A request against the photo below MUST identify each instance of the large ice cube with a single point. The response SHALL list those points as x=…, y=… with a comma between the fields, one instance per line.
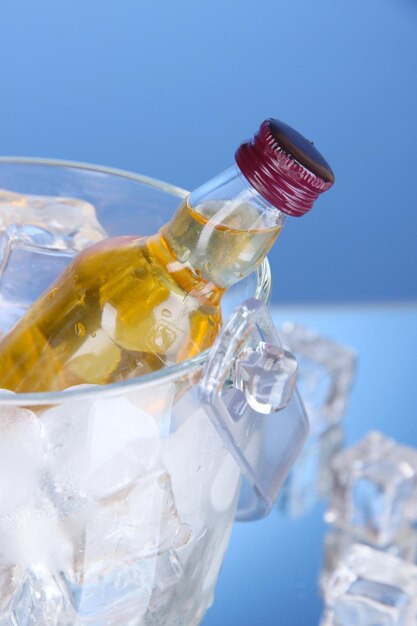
x=326, y=371
x=38, y=237
x=373, y=483
x=97, y=448
x=128, y=550
x=371, y=588
x=136, y=525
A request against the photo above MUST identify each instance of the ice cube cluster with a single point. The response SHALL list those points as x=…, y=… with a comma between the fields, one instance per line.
x=113, y=510
x=42, y=233
x=326, y=370
x=369, y=576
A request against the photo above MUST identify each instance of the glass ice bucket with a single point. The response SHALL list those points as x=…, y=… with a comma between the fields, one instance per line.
x=117, y=502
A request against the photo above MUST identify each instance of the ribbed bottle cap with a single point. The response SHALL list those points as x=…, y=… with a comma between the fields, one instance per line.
x=284, y=167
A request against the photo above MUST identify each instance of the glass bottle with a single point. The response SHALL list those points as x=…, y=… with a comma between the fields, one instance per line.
x=129, y=306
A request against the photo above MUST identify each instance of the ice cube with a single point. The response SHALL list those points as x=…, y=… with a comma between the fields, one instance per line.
x=21, y=456
x=188, y=598
x=326, y=371
x=38, y=237
x=35, y=596
x=267, y=378
x=310, y=478
x=371, y=588
x=126, y=594
x=128, y=550
x=97, y=448
x=337, y=542
x=193, y=456
x=31, y=533
x=373, y=483
x=138, y=524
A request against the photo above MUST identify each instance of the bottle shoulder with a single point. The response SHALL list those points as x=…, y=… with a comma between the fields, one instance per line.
x=108, y=255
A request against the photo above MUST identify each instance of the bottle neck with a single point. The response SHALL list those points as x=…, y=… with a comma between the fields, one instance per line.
x=223, y=229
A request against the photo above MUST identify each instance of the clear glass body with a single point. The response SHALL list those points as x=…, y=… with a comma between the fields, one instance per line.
x=128, y=306
x=116, y=502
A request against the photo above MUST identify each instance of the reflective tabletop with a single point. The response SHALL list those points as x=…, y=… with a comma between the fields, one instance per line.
x=271, y=571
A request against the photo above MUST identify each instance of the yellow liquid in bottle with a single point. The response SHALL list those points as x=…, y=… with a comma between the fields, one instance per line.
x=128, y=306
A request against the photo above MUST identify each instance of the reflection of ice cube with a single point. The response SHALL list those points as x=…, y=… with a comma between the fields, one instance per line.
x=373, y=482
x=38, y=237
x=310, y=478
x=336, y=543
x=372, y=588
x=326, y=372
x=98, y=448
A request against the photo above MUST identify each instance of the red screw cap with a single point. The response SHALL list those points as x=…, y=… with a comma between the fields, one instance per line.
x=284, y=167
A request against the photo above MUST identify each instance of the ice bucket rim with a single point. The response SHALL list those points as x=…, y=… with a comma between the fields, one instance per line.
x=262, y=292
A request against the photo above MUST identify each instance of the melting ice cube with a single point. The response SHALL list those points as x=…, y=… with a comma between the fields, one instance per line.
x=38, y=237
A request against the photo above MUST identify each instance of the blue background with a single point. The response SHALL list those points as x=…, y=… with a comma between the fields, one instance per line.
x=170, y=88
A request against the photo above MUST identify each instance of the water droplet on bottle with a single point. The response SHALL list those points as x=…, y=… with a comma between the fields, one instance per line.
x=161, y=337
x=79, y=329
x=52, y=293
x=166, y=313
